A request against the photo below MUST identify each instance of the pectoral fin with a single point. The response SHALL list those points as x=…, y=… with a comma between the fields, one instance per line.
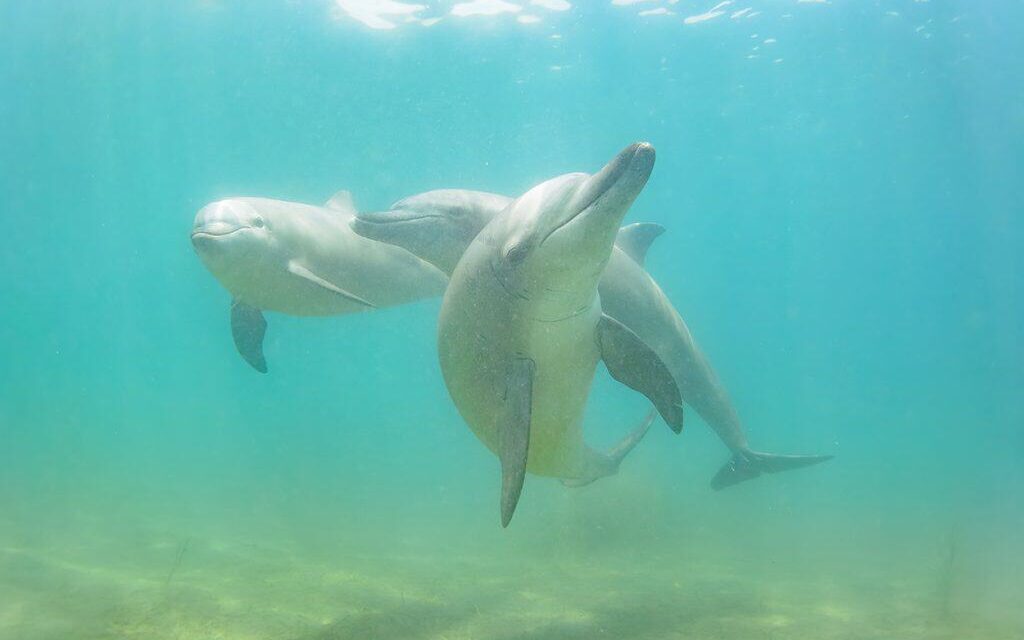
x=248, y=328
x=297, y=269
x=513, y=429
x=636, y=365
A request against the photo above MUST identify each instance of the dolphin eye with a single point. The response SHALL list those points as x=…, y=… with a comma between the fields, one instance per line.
x=258, y=223
x=516, y=253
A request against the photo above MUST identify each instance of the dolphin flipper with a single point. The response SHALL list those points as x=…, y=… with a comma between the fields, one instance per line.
x=636, y=365
x=248, y=326
x=513, y=429
x=610, y=461
x=747, y=465
x=635, y=239
x=297, y=269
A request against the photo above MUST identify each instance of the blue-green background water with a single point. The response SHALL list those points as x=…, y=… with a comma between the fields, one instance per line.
x=845, y=233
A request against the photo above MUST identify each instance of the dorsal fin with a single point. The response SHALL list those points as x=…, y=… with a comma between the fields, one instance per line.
x=636, y=239
x=342, y=201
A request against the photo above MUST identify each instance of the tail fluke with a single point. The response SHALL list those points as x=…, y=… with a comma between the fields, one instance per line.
x=609, y=462
x=747, y=465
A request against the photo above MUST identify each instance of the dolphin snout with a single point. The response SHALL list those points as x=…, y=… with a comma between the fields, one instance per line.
x=218, y=220
x=212, y=234
x=216, y=228
x=396, y=226
x=643, y=157
x=631, y=166
x=618, y=181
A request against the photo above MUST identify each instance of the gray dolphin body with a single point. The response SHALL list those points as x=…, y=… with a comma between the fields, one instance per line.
x=302, y=260
x=521, y=331
x=438, y=226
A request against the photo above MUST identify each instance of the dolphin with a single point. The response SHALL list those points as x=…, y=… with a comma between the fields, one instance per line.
x=302, y=260
x=438, y=226
x=521, y=331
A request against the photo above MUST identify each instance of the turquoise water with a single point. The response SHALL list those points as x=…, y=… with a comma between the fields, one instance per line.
x=841, y=187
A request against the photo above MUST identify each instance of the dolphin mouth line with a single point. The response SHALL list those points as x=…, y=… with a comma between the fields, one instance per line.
x=208, y=234
x=370, y=219
x=573, y=216
x=612, y=180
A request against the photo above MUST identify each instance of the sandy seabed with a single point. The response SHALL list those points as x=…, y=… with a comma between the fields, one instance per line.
x=158, y=586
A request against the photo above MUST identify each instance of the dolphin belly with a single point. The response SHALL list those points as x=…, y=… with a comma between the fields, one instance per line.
x=475, y=349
